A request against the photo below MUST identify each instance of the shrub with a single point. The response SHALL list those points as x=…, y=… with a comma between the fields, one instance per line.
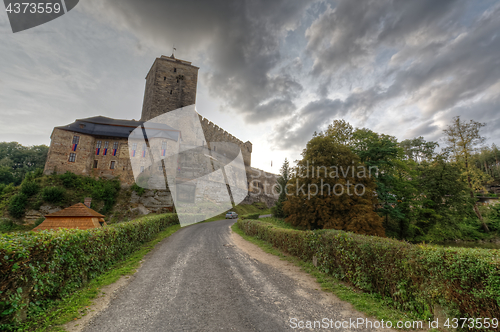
x=53, y=194
x=37, y=267
x=17, y=205
x=39, y=221
x=139, y=190
x=250, y=216
x=70, y=180
x=466, y=282
x=30, y=188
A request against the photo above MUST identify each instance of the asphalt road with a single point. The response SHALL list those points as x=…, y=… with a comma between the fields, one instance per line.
x=198, y=280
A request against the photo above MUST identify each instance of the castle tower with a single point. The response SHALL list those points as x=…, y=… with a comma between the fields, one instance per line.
x=170, y=84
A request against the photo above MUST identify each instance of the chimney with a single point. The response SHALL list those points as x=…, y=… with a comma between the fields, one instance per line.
x=87, y=201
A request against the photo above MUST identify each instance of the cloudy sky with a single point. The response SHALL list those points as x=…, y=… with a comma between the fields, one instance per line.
x=271, y=72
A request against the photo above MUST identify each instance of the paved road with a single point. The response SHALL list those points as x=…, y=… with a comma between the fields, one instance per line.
x=198, y=280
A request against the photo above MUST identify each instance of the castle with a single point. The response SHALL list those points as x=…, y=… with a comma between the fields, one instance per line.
x=98, y=146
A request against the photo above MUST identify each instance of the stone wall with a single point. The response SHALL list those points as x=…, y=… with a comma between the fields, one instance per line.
x=170, y=84
x=213, y=133
x=61, y=147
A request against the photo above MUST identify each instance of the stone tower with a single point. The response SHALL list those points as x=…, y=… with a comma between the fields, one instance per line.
x=170, y=84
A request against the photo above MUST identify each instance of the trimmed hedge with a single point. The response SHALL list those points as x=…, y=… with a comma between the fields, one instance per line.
x=250, y=216
x=37, y=267
x=464, y=281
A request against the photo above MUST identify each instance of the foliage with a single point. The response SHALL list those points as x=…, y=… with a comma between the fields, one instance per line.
x=17, y=205
x=463, y=138
x=138, y=190
x=466, y=282
x=282, y=181
x=338, y=193
x=30, y=188
x=39, y=267
x=17, y=160
x=53, y=194
x=418, y=149
x=250, y=216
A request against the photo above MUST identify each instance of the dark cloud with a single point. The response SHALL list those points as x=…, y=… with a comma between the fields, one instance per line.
x=238, y=40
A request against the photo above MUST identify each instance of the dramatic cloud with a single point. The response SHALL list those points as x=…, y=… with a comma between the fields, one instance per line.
x=238, y=42
x=434, y=56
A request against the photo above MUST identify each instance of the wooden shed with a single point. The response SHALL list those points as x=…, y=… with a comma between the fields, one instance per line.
x=77, y=216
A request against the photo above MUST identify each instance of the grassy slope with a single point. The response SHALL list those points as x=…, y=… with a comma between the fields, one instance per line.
x=242, y=209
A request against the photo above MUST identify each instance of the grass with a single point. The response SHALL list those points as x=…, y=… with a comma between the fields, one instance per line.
x=242, y=209
x=76, y=305
x=371, y=304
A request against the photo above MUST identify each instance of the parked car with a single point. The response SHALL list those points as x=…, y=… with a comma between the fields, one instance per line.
x=231, y=215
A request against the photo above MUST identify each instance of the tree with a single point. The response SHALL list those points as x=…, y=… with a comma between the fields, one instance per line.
x=463, y=138
x=417, y=149
x=331, y=189
x=282, y=180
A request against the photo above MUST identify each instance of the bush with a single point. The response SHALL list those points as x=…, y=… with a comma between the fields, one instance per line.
x=30, y=188
x=42, y=266
x=17, y=205
x=70, y=180
x=466, y=282
x=39, y=221
x=139, y=190
x=250, y=216
x=53, y=194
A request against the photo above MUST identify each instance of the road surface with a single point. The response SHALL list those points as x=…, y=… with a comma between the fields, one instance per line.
x=199, y=280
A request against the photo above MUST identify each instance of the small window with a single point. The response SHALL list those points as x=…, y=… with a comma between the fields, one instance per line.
x=215, y=148
x=164, y=78
x=144, y=146
x=82, y=125
x=76, y=139
x=115, y=146
x=142, y=169
x=106, y=145
x=95, y=163
x=98, y=145
x=164, y=145
x=175, y=70
x=170, y=91
x=112, y=165
x=177, y=80
x=72, y=157
x=134, y=146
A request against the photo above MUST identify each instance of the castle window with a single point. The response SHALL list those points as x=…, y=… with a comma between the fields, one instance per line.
x=142, y=169
x=98, y=148
x=82, y=125
x=215, y=148
x=170, y=91
x=115, y=146
x=95, y=163
x=177, y=80
x=76, y=139
x=175, y=70
x=72, y=157
x=164, y=78
x=112, y=165
x=105, y=152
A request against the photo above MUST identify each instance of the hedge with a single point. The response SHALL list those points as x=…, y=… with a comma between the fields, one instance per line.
x=250, y=216
x=463, y=281
x=37, y=267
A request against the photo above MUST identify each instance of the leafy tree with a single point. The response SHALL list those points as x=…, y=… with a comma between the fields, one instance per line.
x=463, y=138
x=331, y=188
x=21, y=160
x=282, y=180
x=417, y=149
